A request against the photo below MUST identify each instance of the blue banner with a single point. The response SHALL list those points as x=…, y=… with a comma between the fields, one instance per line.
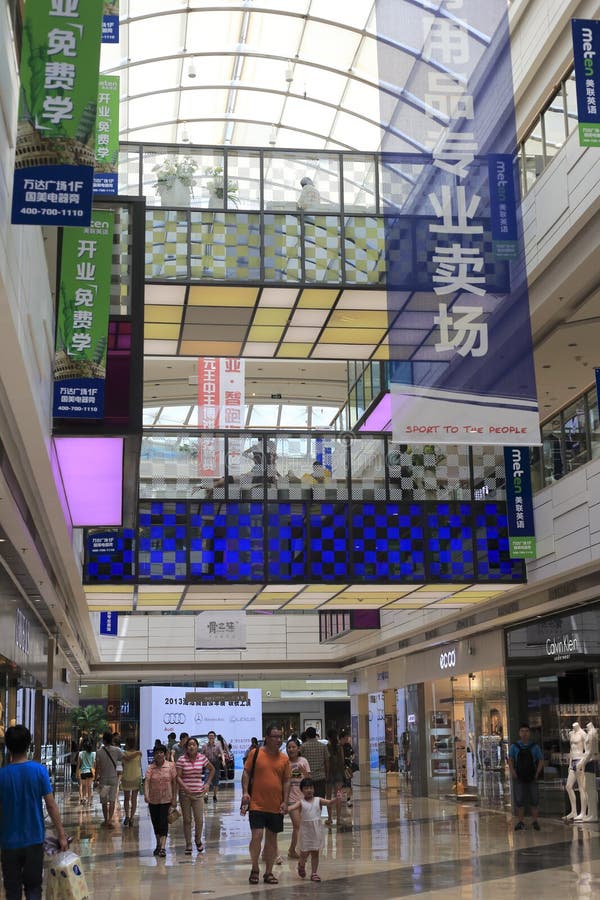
x=503, y=206
x=109, y=623
x=110, y=29
x=52, y=195
x=519, y=503
x=102, y=542
x=586, y=55
x=460, y=338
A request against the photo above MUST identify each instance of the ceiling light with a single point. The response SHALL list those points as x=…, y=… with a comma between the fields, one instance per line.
x=191, y=72
x=273, y=136
x=185, y=135
x=289, y=74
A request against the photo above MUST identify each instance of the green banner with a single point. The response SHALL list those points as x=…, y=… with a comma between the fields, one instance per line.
x=59, y=74
x=107, y=136
x=82, y=326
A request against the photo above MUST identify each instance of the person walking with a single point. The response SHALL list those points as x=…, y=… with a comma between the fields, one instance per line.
x=132, y=779
x=86, y=760
x=312, y=835
x=160, y=793
x=179, y=748
x=265, y=789
x=335, y=774
x=299, y=769
x=318, y=759
x=350, y=766
x=525, y=763
x=107, y=776
x=23, y=785
x=213, y=751
x=190, y=769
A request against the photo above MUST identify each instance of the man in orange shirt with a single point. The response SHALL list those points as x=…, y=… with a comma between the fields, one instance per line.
x=265, y=787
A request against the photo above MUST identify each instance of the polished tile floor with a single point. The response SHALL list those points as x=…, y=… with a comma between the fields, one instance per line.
x=398, y=847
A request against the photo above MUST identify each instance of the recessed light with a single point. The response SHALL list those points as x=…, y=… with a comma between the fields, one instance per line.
x=571, y=345
x=546, y=367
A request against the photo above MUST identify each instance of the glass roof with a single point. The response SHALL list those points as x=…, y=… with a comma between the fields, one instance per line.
x=299, y=73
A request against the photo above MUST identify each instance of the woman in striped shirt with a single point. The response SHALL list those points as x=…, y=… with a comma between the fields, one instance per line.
x=190, y=769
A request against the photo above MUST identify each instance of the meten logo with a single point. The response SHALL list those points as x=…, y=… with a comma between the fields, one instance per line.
x=588, y=51
x=174, y=718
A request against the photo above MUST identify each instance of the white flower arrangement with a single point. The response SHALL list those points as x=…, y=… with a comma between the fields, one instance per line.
x=216, y=185
x=174, y=169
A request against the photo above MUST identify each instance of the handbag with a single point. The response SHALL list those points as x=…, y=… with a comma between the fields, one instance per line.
x=174, y=814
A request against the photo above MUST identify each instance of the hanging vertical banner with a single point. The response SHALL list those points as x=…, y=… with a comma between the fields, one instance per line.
x=461, y=362
x=597, y=371
x=109, y=623
x=82, y=323
x=110, y=22
x=519, y=503
x=586, y=55
x=106, y=165
x=221, y=399
x=57, y=113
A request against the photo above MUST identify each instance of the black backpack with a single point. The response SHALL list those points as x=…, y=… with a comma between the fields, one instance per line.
x=525, y=765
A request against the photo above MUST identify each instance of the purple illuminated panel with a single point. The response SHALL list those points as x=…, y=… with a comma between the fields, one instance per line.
x=381, y=417
x=91, y=469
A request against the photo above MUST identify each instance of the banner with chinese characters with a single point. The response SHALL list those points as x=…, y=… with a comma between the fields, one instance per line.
x=218, y=630
x=106, y=165
x=82, y=323
x=54, y=157
x=109, y=624
x=221, y=404
x=461, y=362
x=519, y=503
x=110, y=22
x=586, y=55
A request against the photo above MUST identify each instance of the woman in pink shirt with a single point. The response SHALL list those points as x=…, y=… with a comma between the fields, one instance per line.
x=190, y=769
x=160, y=793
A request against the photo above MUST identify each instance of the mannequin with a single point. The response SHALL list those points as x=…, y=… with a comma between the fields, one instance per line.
x=577, y=738
x=587, y=766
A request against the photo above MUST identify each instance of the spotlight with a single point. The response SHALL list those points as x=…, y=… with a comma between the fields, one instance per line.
x=191, y=72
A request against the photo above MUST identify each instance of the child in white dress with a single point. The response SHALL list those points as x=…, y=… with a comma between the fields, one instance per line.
x=311, y=835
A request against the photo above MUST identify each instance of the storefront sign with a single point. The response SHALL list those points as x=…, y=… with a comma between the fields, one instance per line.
x=106, y=165
x=570, y=636
x=586, y=55
x=102, y=542
x=453, y=381
x=519, y=503
x=82, y=324
x=220, y=630
x=448, y=659
x=57, y=113
x=560, y=648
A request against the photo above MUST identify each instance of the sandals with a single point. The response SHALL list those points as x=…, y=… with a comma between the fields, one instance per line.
x=254, y=876
x=200, y=847
x=315, y=877
x=302, y=870
x=162, y=852
x=269, y=878
x=188, y=851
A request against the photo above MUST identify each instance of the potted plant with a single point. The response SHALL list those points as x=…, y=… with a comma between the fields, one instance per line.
x=175, y=180
x=217, y=188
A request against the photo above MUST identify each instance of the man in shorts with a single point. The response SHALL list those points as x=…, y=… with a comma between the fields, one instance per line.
x=525, y=762
x=267, y=773
x=107, y=776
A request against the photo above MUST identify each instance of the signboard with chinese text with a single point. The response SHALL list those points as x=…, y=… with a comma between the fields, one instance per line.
x=586, y=55
x=82, y=324
x=460, y=337
x=221, y=399
x=57, y=113
x=166, y=709
x=220, y=630
x=519, y=503
x=110, y=22
x=106, y=166
x=109, y=624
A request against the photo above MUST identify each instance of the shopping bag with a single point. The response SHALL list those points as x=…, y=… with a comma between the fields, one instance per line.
x=65, y=879
x=174, y=814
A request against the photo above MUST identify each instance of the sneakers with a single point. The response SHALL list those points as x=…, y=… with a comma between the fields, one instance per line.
x=520, y=826
x=536, y=825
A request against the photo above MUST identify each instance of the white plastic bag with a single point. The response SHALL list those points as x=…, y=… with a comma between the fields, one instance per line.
x=65, y=879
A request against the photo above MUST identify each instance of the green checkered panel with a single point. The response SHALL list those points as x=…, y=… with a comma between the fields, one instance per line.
x=364, y=247
x=322, y=248
x=282, y=248
x=166, y=244
x=225, y=246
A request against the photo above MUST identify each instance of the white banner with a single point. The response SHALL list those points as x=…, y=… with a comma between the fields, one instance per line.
x=166, y=709
x=220, y=630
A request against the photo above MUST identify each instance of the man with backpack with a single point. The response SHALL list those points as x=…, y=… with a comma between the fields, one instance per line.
x=525, y=761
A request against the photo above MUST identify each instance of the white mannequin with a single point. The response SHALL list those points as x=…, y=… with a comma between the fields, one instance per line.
x=588, y=761
x=577, y=738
